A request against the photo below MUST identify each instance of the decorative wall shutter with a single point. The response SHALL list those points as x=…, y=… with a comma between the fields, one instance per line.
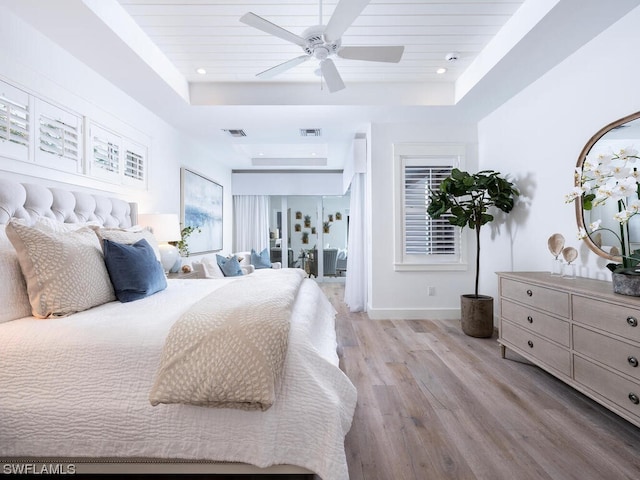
x=15, y=130
x=59, y=143
x=105, y=154
x=135, y=163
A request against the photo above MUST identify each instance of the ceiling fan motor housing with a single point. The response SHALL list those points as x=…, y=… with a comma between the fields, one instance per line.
x=316, y=45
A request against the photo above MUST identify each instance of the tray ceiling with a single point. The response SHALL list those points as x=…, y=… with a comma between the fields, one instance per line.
x=208, y=34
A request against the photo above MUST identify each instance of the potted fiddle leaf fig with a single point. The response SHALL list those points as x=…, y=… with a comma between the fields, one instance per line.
x=467, y=199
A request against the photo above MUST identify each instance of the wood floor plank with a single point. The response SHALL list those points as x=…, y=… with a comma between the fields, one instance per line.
x=436, y=404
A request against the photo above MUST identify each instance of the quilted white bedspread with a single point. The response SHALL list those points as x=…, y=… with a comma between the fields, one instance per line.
x=78, y=387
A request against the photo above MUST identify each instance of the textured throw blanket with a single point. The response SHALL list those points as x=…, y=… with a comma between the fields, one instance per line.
x=228, y=349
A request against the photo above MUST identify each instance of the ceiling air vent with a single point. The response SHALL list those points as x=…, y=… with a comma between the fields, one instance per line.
x=310, y=132
x=236, y=132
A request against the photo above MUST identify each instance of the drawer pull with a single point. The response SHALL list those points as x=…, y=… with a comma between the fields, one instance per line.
x=530, y=293
x=530, y=319
x=634, y=398
x=633, y=361
x=530, y=343
x=632, y=321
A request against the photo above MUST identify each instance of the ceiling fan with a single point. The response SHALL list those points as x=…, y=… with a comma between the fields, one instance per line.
x=322, y=42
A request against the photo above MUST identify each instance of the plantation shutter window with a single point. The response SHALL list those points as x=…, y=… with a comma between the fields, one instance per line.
x=135, y=163
x=106, y=151
x=420, y=242
x=14, y=122
x=59, y=143
x=423, y=235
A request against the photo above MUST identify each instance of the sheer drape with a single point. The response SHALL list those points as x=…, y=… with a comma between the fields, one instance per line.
x=355, y=291
x=250, y=223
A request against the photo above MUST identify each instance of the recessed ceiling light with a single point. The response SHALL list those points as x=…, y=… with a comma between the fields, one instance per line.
x=201, y=71
x=441, y=70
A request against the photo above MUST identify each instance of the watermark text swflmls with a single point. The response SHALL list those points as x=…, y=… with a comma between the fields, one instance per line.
x=38, y=469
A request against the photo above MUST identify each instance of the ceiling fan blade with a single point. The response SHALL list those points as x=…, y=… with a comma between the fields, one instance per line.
x=343, y=16
x=273, y=71
x=391, y=54
x=331, y=75
x=266, y=26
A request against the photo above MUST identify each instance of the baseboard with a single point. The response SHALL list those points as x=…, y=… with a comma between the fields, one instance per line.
x=413, y=313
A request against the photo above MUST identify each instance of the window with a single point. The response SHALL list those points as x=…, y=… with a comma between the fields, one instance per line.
x=14, y=122
x=422, y=235
x=423, y=243
x=135, y=163
x=105, y=154
x=53, y=137
x=59, y=143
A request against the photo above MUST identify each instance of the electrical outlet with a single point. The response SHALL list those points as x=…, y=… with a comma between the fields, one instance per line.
x=431, y=291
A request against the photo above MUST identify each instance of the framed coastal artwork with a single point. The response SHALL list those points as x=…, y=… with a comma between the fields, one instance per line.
x=201, y=200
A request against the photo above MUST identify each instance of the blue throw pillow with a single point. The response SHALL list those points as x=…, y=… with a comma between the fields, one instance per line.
x=230, y=266
x=134, y=270
x=260, y=260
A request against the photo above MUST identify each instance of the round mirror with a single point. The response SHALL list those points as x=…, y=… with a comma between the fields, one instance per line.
x=604, y=241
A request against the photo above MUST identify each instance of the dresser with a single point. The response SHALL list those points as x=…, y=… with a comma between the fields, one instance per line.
x=579, y=331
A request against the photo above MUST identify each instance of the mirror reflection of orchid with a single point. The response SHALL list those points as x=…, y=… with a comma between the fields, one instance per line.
x=612, y=177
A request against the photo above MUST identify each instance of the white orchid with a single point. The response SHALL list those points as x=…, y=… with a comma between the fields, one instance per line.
x=609, y=176
x=593, y=226
x=624, y=188
x=634, y=206
x=620, y=171
x=622, y=216
x=628, y=153
x=573, y=194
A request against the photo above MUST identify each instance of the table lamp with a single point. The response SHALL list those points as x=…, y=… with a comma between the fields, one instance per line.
x=165, y=228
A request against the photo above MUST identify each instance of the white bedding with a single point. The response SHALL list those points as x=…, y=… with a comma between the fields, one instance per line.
x=79, y=387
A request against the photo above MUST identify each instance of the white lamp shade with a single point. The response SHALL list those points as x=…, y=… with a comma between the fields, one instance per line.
x=164, y=226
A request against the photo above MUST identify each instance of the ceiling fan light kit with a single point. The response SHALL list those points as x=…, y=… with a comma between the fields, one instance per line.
x=322, y=42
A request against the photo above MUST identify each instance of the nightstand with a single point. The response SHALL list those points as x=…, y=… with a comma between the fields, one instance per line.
x=182, y=275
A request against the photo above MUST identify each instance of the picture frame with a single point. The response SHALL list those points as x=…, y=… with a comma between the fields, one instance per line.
x=201, y=205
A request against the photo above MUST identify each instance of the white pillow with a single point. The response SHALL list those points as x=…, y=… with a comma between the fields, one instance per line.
x=128, y=236
x=244, y=258
x=211, y=267
x=13, y=293
x=64, y=271
x=45, y=223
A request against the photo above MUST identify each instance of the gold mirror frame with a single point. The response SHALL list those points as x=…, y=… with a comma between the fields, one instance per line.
x=583, y=155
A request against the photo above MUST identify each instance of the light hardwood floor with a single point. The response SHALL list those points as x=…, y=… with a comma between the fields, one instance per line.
x=436, y=404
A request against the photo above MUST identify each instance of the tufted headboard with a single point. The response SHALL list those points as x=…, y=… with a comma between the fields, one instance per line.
x=29, y=201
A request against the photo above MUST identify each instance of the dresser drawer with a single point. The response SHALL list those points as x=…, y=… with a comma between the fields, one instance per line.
x=621, y=356
x=618, y=319
x=616, y=389
x=536, y=321
x=542, y=298
x=532, y=344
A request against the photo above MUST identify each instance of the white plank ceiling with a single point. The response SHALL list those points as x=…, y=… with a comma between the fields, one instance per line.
x=208, y=34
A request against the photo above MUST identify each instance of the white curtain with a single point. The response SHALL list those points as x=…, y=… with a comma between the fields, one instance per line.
x=250, y=223
x=355, y=291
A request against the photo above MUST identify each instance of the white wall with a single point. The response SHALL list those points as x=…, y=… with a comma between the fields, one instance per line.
x=395, y=294
x=31, y=62
x=537, y=137
x=287, y=183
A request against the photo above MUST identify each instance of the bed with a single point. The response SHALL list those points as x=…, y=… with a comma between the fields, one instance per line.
x=76, y=388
